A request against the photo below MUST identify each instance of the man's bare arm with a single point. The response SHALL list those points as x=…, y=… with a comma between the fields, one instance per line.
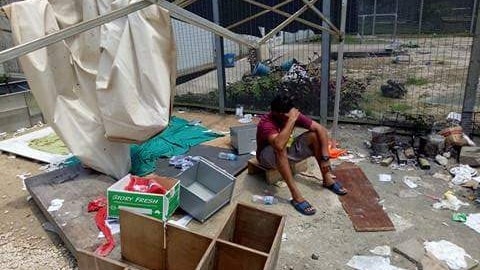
x=279, y=141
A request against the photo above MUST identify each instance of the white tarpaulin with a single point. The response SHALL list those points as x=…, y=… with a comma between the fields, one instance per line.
x=112, y=82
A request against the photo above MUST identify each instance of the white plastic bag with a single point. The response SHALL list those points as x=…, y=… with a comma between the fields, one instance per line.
x=448, y=252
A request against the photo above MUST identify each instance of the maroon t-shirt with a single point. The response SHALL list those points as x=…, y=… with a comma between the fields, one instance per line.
x=268, y=126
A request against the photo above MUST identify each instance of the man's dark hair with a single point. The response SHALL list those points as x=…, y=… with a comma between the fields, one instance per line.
x=282, y=104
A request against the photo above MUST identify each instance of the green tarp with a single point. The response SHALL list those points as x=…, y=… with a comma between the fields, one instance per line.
x=174, y=140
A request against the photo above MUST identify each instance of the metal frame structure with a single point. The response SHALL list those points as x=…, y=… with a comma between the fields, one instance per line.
x=177, y=11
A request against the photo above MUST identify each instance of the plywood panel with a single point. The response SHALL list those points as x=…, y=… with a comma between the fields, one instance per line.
x=361, y=202
x=142, y=240
x=254, y=228
x=185, y=249
x=233, y=257
x=89, y=261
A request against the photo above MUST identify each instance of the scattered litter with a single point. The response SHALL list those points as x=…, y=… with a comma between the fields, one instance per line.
x=384, y=177
x=253, y=153
x=11, y=156
x=444, y=223
x=55, y=205
x=315, y=257
x=454, y=117
x=447, y=154
x=29, y=198
x=386, y=162
x=400, y=223
x=280, y=184
x=247, y=118
x=346, y=157
x=473, y=184
x=473, y=221
x=21, y=130
x=357, y=114
x=194, y=122
x=459, y=217
x=22, y=177
x=450, y=202
x=284, y=237
x=442, y=176
x=5, y=212
x=180, y=111
x=411, y=181
x=449, y=253
x=3, y=134
x=384, y=251
x=462, y=173
x=113, y=224
x=47, y=226
x=49, y=167
x=182, y=222
x=407, y=193
x=371, y=263
x=183, y=162
x=443, y=161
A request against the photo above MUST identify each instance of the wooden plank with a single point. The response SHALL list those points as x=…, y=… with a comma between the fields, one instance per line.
x=208, y=260
x=185, y=249
x=253, y=228
x=361, y=203
x=234, y=257
x=142, y=240
x=275, y=250
x=77, y=186
x=90, y=261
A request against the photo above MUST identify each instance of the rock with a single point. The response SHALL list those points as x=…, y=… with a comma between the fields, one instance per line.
x=393, y=89
x=315, y=256
x=470, y=155
x=413, y=250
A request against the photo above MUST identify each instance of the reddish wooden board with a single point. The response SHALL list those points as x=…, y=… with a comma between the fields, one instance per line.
x=361, y=202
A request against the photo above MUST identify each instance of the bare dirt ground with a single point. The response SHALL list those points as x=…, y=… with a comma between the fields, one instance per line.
x=24, y=244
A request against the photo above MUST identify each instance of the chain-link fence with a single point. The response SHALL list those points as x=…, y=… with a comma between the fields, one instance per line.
x=404, y=60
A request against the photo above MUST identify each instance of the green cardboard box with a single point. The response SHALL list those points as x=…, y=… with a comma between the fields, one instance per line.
x=155, y=205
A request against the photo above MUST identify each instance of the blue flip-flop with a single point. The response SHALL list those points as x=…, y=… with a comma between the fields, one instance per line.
x=302, y=207
x=336, y=188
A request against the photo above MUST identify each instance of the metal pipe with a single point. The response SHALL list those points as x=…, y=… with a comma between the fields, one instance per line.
x=374, y=16
x=472, y=23
x=258, y=14
x=420, y=17
x=322, y=17
x=285, y=23
x=471, y=85
x=288, y=15
x=338, y=84
x=325, y=68
x=219, y=52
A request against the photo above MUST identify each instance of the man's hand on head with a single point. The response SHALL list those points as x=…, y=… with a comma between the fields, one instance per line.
x=293, y=114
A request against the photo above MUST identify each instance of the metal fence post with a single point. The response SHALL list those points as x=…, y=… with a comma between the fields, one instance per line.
x=325, y=68
x=420, y=17
x=219, y=52
x=472, y=23
x=471, y=85
x=374, y=16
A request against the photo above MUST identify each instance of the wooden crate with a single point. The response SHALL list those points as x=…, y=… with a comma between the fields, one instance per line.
x=249, y=240
x=254, y=230
x=272, y=175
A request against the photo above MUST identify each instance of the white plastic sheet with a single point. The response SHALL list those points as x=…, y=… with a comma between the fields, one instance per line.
x=448, y=252
x=113, y=82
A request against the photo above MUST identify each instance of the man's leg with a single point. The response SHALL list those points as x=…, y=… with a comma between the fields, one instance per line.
x=283, y=166
x=318, y=143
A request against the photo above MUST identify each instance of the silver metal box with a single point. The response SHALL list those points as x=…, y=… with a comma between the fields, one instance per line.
x=244, y=138
x=204, y=189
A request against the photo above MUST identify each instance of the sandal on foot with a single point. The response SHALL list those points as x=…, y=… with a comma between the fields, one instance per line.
x=303, y=206
x=337, y=189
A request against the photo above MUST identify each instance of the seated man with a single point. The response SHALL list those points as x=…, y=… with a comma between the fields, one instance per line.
x=276, y=147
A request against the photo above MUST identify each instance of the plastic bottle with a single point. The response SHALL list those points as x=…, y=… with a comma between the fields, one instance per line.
x=264, y=199
x=227, y=156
